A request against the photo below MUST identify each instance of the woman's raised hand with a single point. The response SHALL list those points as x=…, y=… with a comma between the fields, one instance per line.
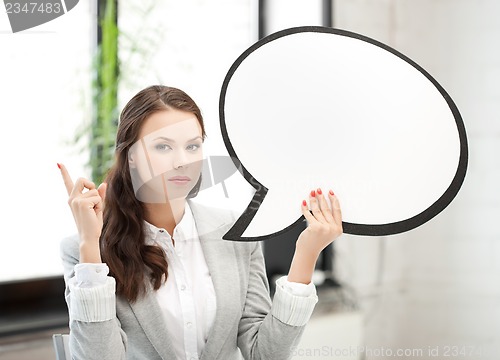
x=86, y=203
x=324, y=224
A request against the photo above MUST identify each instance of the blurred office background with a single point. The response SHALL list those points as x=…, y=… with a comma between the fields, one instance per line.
x=432, y=292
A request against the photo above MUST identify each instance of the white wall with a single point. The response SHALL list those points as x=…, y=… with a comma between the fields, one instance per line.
x=438, y=285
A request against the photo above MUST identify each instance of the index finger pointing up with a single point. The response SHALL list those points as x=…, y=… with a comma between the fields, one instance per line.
x=68, y=183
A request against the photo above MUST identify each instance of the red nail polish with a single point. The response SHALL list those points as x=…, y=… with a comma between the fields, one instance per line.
x=304, y=203
x=319, y=191
x=331, y=192
x=313, y=193
x=59, y=165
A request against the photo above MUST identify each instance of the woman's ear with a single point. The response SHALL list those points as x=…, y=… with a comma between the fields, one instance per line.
x=131, y=161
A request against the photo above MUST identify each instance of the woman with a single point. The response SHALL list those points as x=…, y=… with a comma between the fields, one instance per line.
x=149, y=276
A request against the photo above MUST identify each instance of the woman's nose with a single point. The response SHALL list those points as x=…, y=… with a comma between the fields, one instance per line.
x=180, y=160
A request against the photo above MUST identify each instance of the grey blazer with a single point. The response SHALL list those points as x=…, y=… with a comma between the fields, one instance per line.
x=244, y=324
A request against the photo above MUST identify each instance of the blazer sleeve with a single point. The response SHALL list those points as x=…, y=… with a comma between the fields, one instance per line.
x=271, y=330
x=95, y=331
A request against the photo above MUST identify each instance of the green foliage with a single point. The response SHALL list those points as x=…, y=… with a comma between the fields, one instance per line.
x=105, y=95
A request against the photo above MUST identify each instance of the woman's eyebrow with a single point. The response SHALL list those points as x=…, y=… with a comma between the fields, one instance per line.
x=172, y=140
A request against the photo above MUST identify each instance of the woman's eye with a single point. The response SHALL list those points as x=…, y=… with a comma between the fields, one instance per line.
x=162, y=147
x=193, y=147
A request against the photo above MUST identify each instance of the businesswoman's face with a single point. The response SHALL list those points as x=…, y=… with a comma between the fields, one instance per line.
x=165, y=163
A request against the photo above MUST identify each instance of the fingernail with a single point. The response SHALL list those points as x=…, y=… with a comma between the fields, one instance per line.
x=59, y=166
x=304, y=203
x=319, y=191
x=313, y=193
x=331, y=192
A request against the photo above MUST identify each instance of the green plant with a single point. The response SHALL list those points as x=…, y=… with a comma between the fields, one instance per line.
x=105, y=90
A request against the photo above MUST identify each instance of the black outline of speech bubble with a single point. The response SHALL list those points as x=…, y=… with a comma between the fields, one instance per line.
x=355, y=229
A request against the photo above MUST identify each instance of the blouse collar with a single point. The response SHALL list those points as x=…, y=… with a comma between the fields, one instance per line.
x=183, y=231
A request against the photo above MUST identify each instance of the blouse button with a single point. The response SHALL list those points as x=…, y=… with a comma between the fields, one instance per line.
x=183, y=287
x=189, y=324
x=161, y=230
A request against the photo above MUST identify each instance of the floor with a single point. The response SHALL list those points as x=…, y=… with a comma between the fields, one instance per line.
x=37, y=346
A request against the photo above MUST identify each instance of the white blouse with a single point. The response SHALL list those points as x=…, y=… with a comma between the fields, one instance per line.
x=187, y=298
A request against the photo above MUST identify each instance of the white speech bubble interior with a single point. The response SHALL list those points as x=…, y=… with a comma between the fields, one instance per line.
x=312, y=109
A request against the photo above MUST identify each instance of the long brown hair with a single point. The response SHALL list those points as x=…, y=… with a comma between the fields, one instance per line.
x=122, y=240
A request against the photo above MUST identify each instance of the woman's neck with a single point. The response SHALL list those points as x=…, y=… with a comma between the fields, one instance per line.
x=165, y=215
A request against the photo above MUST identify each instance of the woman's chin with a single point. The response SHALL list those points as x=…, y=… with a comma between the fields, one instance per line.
x=160, y=197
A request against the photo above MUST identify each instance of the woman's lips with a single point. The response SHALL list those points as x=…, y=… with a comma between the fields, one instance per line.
x=180, y=180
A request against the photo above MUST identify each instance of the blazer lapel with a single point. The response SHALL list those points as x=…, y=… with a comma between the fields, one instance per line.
x=148, y=313
x=221, y=261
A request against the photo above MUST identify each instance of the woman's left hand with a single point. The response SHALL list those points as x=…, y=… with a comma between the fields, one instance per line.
x=324, y=224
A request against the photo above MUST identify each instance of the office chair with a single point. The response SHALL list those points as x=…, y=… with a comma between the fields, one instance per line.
x=61, y=346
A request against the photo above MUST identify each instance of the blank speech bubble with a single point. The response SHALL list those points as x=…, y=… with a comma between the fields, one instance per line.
x=313, y=107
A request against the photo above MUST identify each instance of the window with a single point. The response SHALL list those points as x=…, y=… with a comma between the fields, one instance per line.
x=45, y=92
